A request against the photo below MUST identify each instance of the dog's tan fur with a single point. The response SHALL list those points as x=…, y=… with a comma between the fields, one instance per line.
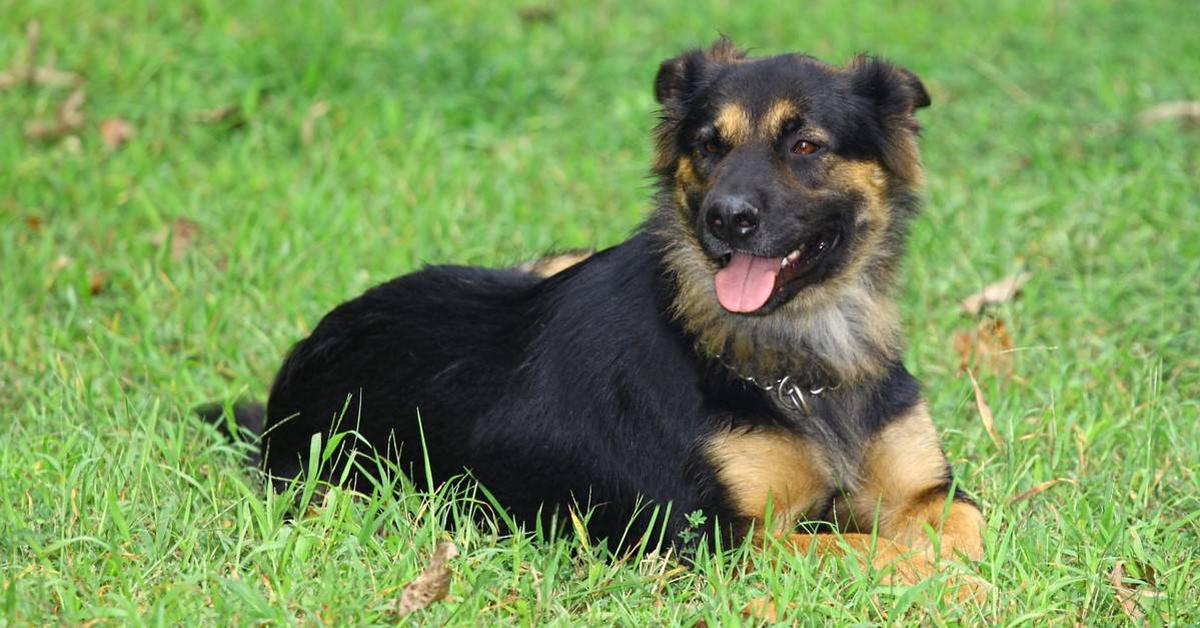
x=771, y=470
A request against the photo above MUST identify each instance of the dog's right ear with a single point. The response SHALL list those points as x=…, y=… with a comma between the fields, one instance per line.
x=679, y=78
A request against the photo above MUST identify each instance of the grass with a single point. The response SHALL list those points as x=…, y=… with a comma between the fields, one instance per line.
x=179, y=267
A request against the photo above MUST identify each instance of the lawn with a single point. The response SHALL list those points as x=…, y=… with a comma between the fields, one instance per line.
x=240, y=168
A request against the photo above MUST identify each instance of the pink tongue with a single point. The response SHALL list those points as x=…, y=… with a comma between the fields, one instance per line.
x=746, y=282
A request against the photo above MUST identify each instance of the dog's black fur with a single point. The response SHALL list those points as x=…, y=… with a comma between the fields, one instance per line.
x=600, y=386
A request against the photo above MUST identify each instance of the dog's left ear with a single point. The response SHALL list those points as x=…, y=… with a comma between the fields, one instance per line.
x=894, y=93
x=894, y=90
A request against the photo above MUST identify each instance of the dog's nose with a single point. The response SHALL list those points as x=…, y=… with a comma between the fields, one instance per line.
x=732, y=219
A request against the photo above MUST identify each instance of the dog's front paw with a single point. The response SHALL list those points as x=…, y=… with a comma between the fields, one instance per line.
x=917, y=566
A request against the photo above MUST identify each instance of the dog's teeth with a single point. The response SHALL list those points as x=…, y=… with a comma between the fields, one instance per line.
x=791, y=257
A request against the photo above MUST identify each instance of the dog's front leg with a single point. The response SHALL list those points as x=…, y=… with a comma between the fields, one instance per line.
x=905, y=491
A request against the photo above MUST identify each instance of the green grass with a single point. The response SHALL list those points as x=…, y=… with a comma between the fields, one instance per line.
x=461, y=131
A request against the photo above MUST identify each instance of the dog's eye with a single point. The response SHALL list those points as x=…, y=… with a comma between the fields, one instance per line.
x=805, y=147
x=710, y=147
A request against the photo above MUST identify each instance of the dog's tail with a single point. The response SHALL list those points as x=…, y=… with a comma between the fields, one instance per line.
x=243, y=424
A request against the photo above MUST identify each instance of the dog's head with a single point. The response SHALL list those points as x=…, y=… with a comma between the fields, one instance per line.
x=785, y=181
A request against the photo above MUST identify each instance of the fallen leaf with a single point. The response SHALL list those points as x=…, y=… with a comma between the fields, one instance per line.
x=67, y=119
x=1187, y=110
x=230, y=115
x=70, y=114
x=307, y=126
x=985, y=413
x=431, y=585
x=1040, y=488
x=266, y=582
x=42, y=130
x=97, y=281
x=182, y=234
x=28, y=72
x=761, y=609
x=999, y=292
x=115, y=132
x=1126, y=596
x=54, y=77
x=61, y=262
x=1150, y=576
x=986, y=347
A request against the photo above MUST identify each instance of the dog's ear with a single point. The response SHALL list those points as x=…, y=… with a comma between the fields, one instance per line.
x=894, y=93
x=680, y=77
x=894, y=90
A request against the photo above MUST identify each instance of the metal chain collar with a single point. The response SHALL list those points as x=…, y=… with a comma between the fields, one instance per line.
x=786, y=391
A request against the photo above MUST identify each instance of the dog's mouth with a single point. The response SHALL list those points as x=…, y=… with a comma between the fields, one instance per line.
x=746, y=282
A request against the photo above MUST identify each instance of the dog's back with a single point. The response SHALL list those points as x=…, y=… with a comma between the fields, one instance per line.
x=545, y=390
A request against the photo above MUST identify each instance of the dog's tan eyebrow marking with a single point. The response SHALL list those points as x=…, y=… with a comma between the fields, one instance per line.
x=733, y=123
x=778, y=114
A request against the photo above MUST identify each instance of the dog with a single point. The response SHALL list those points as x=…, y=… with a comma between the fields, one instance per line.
x=739, y=356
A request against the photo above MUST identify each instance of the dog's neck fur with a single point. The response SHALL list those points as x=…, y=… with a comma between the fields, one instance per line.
x=844, y=331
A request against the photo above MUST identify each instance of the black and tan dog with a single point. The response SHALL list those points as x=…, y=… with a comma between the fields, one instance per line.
x=740, y=355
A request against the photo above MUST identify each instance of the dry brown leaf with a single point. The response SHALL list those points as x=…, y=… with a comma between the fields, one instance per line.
x=97, y=281
x=998, y=292
x=217, y=114
x=307, y=126
x=70, y=114
x=1040, y=488
x=431, y=585
x=115, y=132
x=1187, y=110
x=28, y=72
x=761, y=609
x=67, y=119
x=985, y=413
x=1126, y=596
x=183, y=235
x=231, y=114
x=61, y=262
x=54, y=77
x=51, y=77
x=987, y=347
x=181, y=232
x=42, y=130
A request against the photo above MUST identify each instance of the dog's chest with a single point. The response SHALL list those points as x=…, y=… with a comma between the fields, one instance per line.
x=778, y=475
